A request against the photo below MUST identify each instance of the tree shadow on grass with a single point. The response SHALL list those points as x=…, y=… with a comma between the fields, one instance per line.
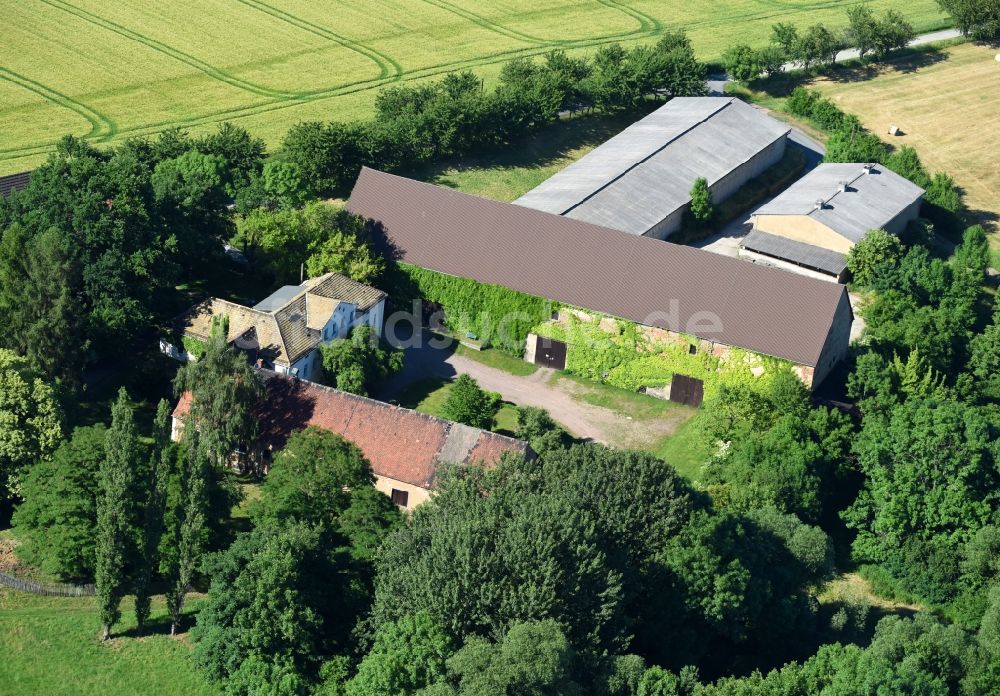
x=541, y=149
x=905, y=62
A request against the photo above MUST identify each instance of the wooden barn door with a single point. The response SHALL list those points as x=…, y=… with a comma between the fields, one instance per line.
x=687, y=390
x=550, y=353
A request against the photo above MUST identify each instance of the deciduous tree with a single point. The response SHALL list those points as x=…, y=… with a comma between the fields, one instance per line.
x=701, y=200
x=30, y=420
x=361, y=362
x=55, y=522
x=469, y=403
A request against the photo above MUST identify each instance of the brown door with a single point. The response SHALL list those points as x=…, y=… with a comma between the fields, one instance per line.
x=550, y=353
x=687, y=390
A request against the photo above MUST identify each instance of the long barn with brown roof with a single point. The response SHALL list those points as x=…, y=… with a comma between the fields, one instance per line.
x=406, y=449
x=721, y=300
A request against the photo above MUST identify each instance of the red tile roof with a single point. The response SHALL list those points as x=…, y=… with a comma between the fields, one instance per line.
x=399, y=443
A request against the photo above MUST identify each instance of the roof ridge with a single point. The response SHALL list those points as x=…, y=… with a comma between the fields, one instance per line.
x=658, y=150
x=863, y=172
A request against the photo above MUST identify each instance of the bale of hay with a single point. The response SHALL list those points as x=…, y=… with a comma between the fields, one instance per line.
x=894, y=130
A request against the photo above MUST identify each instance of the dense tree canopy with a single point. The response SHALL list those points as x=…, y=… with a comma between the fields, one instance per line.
x=56, y=521
x=931, y=473
x=313, y=479
x=361, y=362
x=30, y=420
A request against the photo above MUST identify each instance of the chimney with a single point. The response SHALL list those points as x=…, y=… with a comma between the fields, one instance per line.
x=868, y=168
x=819, y=204
x=842, y=186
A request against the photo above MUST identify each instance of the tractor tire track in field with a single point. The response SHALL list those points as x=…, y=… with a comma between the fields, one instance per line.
x=100, y=125
x=170, y=51
x=646, y=24
x=488, y=24
x=297, y=99
x=389, y=67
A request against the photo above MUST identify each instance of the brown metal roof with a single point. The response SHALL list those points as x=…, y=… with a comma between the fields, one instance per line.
x=14, y=182
x=656, y=283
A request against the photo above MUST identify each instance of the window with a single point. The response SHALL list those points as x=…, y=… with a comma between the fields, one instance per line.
x=400, y=498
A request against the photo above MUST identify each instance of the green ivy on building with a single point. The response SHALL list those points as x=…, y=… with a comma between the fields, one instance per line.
x=496, y=316
x=624, y=357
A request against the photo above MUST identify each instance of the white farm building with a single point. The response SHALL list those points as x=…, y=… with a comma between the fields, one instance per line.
x=640, y=180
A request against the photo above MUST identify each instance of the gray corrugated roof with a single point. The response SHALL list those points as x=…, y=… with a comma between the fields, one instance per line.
x=656, y=283
x=797, y=252
x=871, y=201
x=642, y=175
x=278, y=299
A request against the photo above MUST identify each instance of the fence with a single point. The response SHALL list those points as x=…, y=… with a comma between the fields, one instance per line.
x=46, y=589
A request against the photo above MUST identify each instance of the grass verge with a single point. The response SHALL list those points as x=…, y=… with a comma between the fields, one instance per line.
x=686, y=449
x=498, y=360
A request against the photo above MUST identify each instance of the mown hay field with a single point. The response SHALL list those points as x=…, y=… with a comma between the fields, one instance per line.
x=109, y=70
x=947, y=104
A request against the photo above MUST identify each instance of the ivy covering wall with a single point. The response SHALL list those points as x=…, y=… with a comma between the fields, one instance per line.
x=193, y=346
x=496, y=316
x=617, y=352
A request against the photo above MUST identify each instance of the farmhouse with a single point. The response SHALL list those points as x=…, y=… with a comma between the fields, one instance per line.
x=406, y=449
x=720, y=301
x=640, y=180
x=284, y=331
x=812, y=225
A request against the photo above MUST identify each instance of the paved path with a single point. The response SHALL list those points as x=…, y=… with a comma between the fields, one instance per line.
x=718, y=81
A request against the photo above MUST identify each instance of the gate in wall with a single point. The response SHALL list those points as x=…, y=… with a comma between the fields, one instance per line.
x=687, y=390
x=550, y=353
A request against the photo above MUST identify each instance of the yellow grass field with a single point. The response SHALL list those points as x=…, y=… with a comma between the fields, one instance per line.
x=110, y=69
x=948, y=105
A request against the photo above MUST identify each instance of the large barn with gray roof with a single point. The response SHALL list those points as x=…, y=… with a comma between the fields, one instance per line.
x=640, y=180
x=811, y=226
x=723, y=301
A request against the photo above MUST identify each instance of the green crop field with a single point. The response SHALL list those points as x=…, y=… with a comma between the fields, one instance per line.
x=109, y=70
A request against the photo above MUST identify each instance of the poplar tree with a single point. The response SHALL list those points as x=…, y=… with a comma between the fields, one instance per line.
x=114, y=540
x=223, y=389
x=188, y=536
x=153, y=514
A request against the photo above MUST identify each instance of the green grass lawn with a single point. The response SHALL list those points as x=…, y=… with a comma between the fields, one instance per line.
x=498, y=360
x=630, y=404
x=107, y=71
x=50, y=646
x=428, y=396
x=686, y=449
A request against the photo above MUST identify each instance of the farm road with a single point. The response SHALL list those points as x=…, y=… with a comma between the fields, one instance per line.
x=560, y=398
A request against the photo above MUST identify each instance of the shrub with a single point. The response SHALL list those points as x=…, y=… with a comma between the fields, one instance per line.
x=801, y=101
x=701, y=201
x=875, y=258
x=470, y=404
